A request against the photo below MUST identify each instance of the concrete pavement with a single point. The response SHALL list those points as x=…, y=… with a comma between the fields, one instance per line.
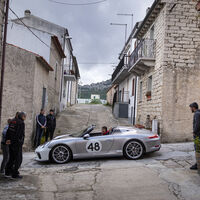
x=163, y=175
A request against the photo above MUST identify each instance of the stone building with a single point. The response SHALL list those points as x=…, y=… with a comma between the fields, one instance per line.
x=166, y=62
x=19, y=35
x=26, y=85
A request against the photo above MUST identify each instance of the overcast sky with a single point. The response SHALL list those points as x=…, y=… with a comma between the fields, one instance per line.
x=93, y=39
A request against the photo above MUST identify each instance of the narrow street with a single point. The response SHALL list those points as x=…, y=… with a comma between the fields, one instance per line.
x=163, y=175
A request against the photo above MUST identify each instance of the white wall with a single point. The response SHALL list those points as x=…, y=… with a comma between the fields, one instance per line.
x=20, y=36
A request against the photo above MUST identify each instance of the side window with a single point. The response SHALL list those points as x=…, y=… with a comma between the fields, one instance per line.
x=141, y=85
x=152, y=33
x=56, y=70
x=133, y=87
x=149, y=84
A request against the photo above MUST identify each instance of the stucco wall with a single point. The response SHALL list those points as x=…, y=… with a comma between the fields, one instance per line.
x=1, y=27
x=54, y=83
x=41, y=77
x=181, y=84
x=18, y=87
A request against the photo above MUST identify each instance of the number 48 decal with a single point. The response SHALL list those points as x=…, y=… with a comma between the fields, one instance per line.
x=93, y=146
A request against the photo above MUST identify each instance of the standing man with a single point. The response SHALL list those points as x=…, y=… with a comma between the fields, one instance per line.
x=51, y=125
x=196, y=125
x=5, y=148
x=15, y=138
x=41, y=125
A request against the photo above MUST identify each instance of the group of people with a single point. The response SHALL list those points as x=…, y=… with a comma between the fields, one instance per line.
x=12, y=141
x=45, y=126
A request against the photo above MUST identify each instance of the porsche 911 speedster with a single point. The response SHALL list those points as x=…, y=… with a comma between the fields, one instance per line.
x=130, y=142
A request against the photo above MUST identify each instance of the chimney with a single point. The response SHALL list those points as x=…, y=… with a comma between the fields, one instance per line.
x=147, y=10
x=27, y=13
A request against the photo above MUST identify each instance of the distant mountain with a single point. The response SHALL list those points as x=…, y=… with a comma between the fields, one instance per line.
x=100, y=88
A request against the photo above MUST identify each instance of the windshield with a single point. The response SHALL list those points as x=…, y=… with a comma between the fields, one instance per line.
x=83, y=132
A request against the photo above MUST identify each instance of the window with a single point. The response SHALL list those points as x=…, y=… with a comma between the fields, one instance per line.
x=44, y=94
x=141, y=85
x=133, y=87
x=149, y=86
x=152, y=33
x=56, y=70
x=123, y=95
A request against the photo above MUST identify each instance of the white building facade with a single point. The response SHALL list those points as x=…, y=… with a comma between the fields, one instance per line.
x=21, y=33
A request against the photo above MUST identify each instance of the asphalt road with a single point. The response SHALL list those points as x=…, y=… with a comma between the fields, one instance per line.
x=163, y=175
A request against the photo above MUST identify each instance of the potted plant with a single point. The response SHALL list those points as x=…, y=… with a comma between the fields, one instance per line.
x=197, y=152
x=148, y=95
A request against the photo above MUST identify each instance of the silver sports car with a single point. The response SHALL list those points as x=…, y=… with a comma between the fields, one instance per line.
x=127, y=141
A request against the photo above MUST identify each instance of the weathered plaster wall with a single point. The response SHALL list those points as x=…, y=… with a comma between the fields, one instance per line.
x=2, y=3
x=18, y=87
x=181, y=83
x=54, y=83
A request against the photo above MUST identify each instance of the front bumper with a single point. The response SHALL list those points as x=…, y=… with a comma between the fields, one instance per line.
x=42, y=153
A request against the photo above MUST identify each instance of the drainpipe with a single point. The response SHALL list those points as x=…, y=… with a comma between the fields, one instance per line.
x=135, y=99
x=3, y=58
x=62, y=77
x=68, y=81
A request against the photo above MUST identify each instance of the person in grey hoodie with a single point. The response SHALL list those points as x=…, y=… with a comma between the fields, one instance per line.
x=5, y=148
x=196, y=125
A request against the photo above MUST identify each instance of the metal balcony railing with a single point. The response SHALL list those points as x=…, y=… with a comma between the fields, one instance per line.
x=118, y=68
x=145, y=49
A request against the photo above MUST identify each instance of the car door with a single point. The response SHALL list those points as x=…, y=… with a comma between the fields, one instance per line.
x=94, y=146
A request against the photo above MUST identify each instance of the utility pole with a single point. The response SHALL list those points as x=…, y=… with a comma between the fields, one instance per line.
x=3, y=58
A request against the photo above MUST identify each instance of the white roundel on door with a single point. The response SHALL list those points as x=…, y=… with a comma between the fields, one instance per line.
x=93, y=146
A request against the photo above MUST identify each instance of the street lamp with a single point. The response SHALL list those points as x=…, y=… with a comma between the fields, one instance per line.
x=118, y=24
x=130, y=15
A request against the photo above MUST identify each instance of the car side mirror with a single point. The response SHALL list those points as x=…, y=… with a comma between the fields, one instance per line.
x=86, y=136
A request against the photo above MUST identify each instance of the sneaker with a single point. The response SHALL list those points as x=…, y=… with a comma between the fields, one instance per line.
x=194, y=167
x=17, y=176
x=7, y=175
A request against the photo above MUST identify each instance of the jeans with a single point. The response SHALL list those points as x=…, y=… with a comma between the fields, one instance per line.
x=5, y=151
x=15, y=160
x=50, y=133
x=39, y=133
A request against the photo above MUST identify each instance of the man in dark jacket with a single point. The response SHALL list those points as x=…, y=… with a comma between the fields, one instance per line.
x=15, y=138
x=51, y=125
x=41, y=122
x=196, y=125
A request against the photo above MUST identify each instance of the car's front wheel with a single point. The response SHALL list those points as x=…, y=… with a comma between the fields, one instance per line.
x=133, y=150
x=60, y=154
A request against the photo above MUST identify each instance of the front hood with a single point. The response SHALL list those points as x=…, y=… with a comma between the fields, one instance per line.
x=62, y=137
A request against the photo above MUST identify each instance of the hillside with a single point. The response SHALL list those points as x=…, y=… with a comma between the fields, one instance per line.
x=100, y=88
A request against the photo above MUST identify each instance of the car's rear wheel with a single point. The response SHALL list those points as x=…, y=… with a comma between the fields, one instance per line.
x=133, y=150
x=61, y=154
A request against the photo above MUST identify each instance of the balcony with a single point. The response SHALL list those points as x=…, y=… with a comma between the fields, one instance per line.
x=69, y=75
x=143, y=57
x=121, y=71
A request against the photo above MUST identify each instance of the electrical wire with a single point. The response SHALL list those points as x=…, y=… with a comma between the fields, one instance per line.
x=78, y=4
x=91, y=63
x=29, y=28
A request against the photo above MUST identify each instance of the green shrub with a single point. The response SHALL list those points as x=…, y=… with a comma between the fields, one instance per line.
x=96, y=101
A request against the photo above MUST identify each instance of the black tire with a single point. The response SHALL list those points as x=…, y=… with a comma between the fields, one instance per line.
x=60, y=154
x=133, y=150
